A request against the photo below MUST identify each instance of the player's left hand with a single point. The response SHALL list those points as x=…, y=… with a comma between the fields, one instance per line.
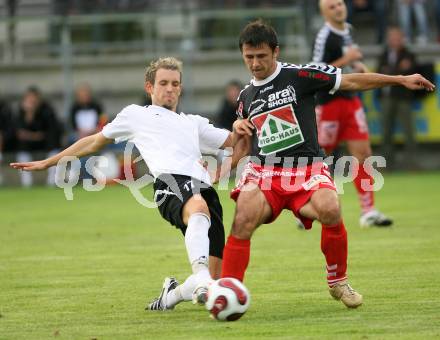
x=417, y=82
x=243, y=127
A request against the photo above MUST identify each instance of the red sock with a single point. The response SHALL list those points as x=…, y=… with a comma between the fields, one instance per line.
x=334, y=247
x=235, y=257
x=365, y=190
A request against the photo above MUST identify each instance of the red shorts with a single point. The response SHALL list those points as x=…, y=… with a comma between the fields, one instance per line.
x=286, y=188
x=341, y=119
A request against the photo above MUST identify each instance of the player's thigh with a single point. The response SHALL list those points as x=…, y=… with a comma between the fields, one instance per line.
x=323, y=206
x=252, y=209
x=196, y=204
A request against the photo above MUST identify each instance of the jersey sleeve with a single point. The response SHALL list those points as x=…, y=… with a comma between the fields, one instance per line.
x=241, y=111
x=119, y=129
x=210, y=137
x=320, y=47
x=324, y=50
x=319, y=77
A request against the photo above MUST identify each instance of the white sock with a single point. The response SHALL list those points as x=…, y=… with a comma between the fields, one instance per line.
x=182, y=292
x=197, y=247
x=174, y=297
x=196, y=238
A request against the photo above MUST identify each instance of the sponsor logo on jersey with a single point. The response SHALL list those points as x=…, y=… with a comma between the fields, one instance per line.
x=285, y=96
x=277, y=130
x=260, y=104
x=240, y=109
x=267, y=88
x=313, y=75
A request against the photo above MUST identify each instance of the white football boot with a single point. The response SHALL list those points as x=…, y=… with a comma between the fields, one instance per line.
x=160, y=303
x=374, y=218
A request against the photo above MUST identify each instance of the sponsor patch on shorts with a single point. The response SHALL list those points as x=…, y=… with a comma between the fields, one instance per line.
x=315, y=180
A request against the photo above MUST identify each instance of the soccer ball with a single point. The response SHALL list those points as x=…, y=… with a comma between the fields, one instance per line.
x=228, y=299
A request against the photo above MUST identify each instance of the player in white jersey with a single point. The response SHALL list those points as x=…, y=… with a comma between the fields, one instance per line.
x=171, y=144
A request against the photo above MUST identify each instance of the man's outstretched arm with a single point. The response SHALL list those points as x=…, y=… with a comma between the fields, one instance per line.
x=83, y=147
x=368, y=81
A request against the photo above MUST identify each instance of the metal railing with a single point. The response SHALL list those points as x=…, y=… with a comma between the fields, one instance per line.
x=24, y=38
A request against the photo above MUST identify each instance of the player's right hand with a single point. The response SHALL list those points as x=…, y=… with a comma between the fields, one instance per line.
x=30, y=166
x=243, y=127
x=417, y=82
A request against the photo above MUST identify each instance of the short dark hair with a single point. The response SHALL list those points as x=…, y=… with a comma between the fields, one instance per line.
x=34, y=90
x=235, y=82
x=257, y=33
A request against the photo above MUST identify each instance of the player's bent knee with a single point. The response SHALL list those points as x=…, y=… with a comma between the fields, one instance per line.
x=330, y=217
x=193, y=206
x=197, y=204
x=200, y=207
x=330, y=214
x=243, y=226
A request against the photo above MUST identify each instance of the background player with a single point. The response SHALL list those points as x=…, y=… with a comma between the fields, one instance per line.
x=341, y=116
x=279, y=104
x=171, y=145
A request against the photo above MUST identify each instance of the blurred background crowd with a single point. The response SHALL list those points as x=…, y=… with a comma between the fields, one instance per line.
x=68, y=67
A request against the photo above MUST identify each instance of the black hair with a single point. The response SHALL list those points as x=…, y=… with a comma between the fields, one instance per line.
x=235, y=82
x=257, y=33
x=34, y=90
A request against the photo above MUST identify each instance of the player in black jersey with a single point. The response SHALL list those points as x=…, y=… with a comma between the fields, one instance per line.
x=277, y=111
x=341, y=116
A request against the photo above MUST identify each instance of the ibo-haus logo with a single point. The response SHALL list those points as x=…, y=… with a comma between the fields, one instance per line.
x=277, y=130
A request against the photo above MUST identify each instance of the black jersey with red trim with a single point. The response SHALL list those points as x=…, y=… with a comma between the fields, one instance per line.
x=282, y=109
x=330, y=44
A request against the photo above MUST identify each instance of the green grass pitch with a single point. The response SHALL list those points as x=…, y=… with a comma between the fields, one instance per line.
x=85, y=269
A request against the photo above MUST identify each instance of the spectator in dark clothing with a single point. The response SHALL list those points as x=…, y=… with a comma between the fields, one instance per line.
x=38, y=130
x=86, y=115
x=227, y=113
x=397, y=101
x=437, y=18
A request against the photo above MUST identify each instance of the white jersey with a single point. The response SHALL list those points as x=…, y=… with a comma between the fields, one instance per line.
x=168, y=142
